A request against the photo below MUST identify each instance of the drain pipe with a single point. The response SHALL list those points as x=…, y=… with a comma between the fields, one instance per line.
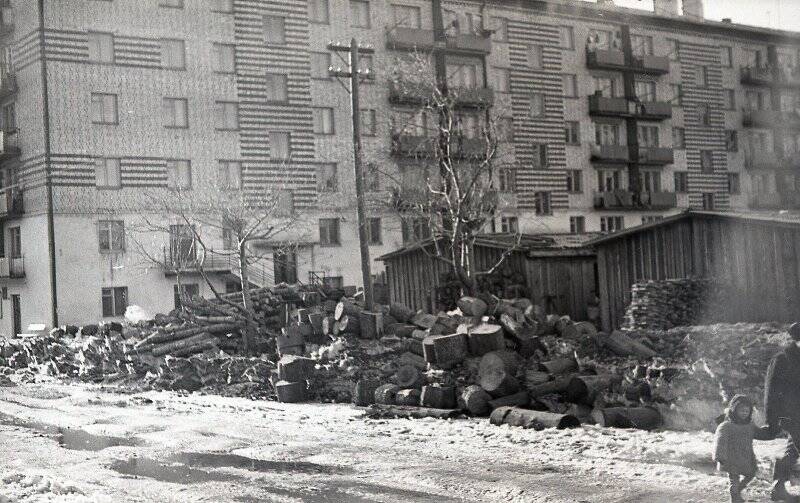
x=51, y=243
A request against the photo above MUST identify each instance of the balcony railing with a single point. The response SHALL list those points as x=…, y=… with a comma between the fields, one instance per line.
x=469, y=43
x=605, y=59
x=215, y=261
x=9, y=145
x=756, y=76
x=656, y=155
x=610, y=153
x=650, y=64
x=12, y=267
x=600, y=105
x=477, y=97
x=655, y=110
x=425, y=146
x=766, y=201
x=410, y=39
x=11, y=203
x=761, y=159
x=630, y=200
x=406, y=93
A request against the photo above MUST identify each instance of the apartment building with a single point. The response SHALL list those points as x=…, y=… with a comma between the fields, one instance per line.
x=612, y=117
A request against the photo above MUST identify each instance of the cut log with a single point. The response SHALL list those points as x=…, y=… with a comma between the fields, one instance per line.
x=535, y=377
x=428, y=349
x=197, y=348
x=412, y=359
x=635, y=391
x=408, y=376
x=561, y=325
x=560, y=366
x=345, y=307
x=642, y=418
x=385, y=394
x=349, y=324
x=508, y=361
x=484, y=339
x=291, y=392
x=519, y=399
x=329, y=306
x=295, y=368
x=438, y=397
x=534, y=419
x=558, y=385
x=424, y=320
x=400, y=312
x=449, y=349
x=364, y=392
x=327, y=325
x=407, y=411
x=585, y=329
x=476, y=400
x=401, y=329
x=371, y=325
x=499, y=383
x=585, y=389
x=408, y=397
x=315, y=319
x=621, y=344
x=472, y=306
x=169, y=347
x=515, y=329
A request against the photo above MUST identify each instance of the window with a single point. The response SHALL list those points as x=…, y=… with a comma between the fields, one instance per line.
x=677, y=94
x=274, y=30
x=101, y=47
x=535, y=57
x=645, y=91
x=179, y=174
x=374, y=232
x=509, y=225
x=566, y=37
x=320, y=62
x=674, y=49
x=572, y=132
x=111, y=235
x=577, y=225
x=464, y=74
x=678, y=138
x=182, y=246
x=642, y=45
x=474, y=24
x=574, y=180
x=327, y=177
x=731, y=141
x=569, y=85
x=543, y=206
x=506, y=180
x=279, y=145
x=177, y=4
x=648, y=136
x=227, y=115
x=505, y=129
x=605, y=86
x=8, y=117
x=104, y=109
x=651, y=219
x=115, y=301
x=224, y=6
x=228, y=241
x=173, y=54
x=707, y=161
x=229, y=175
x=611, y=224
x=537, y=105
x=451, y=22
x=502, y=80
x=681, y=182
x=650, y=181
x=601, y=39
x=726, y=56
x=500, y=29
x=704, y=114
x=701, y=76
x=368, y=122
x=708, y=200
x=323, y=120
x=754, y=100
x=539, y=155
x=372, y=177
x=734, y=185
x=318, y=11
x=729, y=99
x=107, y=173
x=277, y=87
x=359, y=14
x=407, y=15
x=186, y=291
x=609, y=180
x=469, y=125
x=15, y=242
x=329, y=231
x=415, y=229
x=606, y=133
x=175, y=112
x=224, y=58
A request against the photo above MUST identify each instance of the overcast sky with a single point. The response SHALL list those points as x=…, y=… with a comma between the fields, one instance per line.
x=784, y=14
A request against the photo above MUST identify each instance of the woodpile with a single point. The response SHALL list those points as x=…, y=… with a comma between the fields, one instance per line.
x=661, y=305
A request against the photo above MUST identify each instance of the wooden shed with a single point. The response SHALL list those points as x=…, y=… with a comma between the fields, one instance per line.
x=559, y=270
x=753, y=255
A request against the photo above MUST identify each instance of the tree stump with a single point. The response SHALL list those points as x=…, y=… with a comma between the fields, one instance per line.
x=438, y=397
x=295, y=368
x=476, y=400
x=371, y=325
x=364, y=393
x=484, y=339
x=408, y=376
x=291, y=392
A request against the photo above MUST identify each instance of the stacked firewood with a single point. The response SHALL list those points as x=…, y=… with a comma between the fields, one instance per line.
x=661, y=305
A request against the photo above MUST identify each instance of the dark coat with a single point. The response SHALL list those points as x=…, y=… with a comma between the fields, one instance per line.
x=733, y=440
x=782, y=389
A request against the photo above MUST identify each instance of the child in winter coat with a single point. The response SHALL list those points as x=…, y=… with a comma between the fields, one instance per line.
x=733, y=445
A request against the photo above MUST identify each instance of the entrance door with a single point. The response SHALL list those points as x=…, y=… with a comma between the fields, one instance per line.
x=285, y=266
x=16, y=315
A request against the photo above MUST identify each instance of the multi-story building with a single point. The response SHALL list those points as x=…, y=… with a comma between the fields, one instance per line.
x=613, y=117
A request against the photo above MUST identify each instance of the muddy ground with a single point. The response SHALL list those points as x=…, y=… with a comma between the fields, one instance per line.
x=71, y=443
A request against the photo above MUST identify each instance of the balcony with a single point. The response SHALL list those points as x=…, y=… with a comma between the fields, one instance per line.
x=638, y=201
x=608, y=107
x=756, y=76
x=766, y=201
x=9, y=145
x=425, y=146
x=406, y=93
x=12, y=267
x=11, y=203
x=656, y=155
x=402, y=38
x=655, y=110
x=761, y=159
x=651, y=65
x=610, y=153
x=605, y=59
x=8, y=85
x=468, y=43
x=473, y=97
x=215, y=262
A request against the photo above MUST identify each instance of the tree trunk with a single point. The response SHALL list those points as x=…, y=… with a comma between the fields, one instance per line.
x=248, y=336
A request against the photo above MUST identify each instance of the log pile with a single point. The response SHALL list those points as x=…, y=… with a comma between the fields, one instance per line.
x=661, y=305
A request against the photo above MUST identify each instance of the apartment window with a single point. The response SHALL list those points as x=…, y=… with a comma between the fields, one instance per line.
x=678, y=138
x=107, y=173
x=648, y=136
x=500, y=27
x=323, y=120
x=474, y=24
x=506, y=180
x=539, y=155
x=642, y=45
x=731, y=141
x=734, y=185
x=543, y=206
x=754, y=100
x=652, y=219
x=228, y=241
x=451, y=22
x=707, y=161
x=111, y=235
x=569, y=85
x=408, y=16
x=577, y=225
x=574, y=180
x=274, y=30
x=365, y=65
x=179, y=174
x=374, y=235
x=701, y=76
x=227, y=115
x=318, y=11
x=224, y=58
x=8, y=117
x=566, y=37
x=464, y=75
x=681, y=182
x=708, y=201
x=650, y=181
x=279, y=145
x=175, y=112
x=186, y=291
x=729, y=99
x=502, y=80
x=320, y=62
x=535, y=57
x=645, y=91
x=726, y=56
x=329, y=231
x=704, y=114
x=224, y=6
x=115, y=301
x=101, y=47
x=509, y=225
x=229, y=175
x=572, y=132
x=537, y=105
x=602, y=38
x=605, y=86
x=606, y=133
x=327, y=177
x=415, y=229
x=677, y=94
x=612, y=224
x=368, y=122
x=104, y=109
x=359, y=14
x=15, y=242
x=674, y=49
x=609, y=180
x=277, y=87
x=173, y=54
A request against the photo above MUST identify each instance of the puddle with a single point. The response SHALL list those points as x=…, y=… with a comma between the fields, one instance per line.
x=70, y=438
x=216, y=460
x=166, y=472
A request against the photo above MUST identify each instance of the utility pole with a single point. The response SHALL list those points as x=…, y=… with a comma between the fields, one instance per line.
x=353, y=74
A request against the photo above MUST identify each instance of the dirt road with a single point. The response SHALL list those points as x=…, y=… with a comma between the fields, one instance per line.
x=80, y=443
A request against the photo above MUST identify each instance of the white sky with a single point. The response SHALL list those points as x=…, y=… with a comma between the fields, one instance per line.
x=783, y=14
